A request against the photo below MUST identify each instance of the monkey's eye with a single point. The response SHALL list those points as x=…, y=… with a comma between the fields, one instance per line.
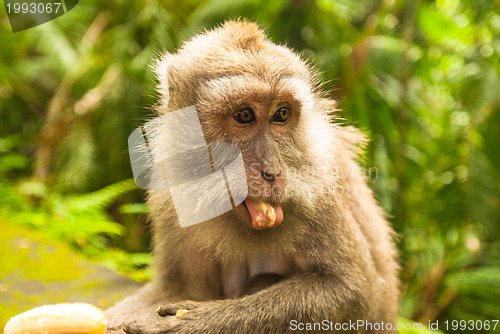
x=281, y=115
x=244, y=116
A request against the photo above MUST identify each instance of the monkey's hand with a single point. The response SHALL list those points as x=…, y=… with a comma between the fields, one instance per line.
x=184, y=317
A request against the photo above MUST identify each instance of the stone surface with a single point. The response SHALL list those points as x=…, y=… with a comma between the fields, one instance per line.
x=36, y=271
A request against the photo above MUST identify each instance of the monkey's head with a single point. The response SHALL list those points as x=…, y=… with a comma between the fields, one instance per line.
x=259, y=96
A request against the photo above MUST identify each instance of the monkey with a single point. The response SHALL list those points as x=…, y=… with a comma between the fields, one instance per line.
x=309, y=244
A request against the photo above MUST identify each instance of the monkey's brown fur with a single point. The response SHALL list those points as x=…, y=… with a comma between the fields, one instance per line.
x=332, y=258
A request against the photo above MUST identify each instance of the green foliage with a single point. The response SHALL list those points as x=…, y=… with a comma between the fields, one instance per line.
x=421, y=78
x=81, y=220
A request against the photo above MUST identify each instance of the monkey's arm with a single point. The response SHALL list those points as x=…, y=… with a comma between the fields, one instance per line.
x=305, y=298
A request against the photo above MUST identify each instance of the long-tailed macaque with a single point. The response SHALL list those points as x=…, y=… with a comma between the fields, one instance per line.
x=309, y=246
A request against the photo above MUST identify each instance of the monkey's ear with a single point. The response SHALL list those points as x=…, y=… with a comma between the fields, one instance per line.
x=328, y=107
x=353, y=139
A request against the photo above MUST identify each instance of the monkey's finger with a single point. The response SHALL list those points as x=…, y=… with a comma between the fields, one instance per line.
x=157, y=327
x=131, y=328
x=134, y=328
x=173, y=309
x=166, y=310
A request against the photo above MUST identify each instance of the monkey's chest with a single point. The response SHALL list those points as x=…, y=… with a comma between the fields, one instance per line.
x=258, y=273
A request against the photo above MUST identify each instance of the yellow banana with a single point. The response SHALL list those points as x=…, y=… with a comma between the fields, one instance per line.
x=58, y=319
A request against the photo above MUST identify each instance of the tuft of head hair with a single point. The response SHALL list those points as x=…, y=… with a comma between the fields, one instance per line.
x=234, y=48
x=239, y=34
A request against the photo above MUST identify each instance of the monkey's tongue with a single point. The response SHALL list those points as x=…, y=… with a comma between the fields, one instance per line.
x=264, y=215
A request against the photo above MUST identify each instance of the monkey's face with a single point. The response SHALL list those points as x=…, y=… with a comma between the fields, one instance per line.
x=263, y=119
x=256, y=95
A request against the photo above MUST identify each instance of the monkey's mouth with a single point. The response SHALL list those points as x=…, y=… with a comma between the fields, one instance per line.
x=264, y=215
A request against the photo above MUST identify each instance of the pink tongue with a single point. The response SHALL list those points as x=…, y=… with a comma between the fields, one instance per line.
x=264, y=215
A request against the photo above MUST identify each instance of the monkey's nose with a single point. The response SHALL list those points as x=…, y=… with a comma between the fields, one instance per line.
x=271, y=174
